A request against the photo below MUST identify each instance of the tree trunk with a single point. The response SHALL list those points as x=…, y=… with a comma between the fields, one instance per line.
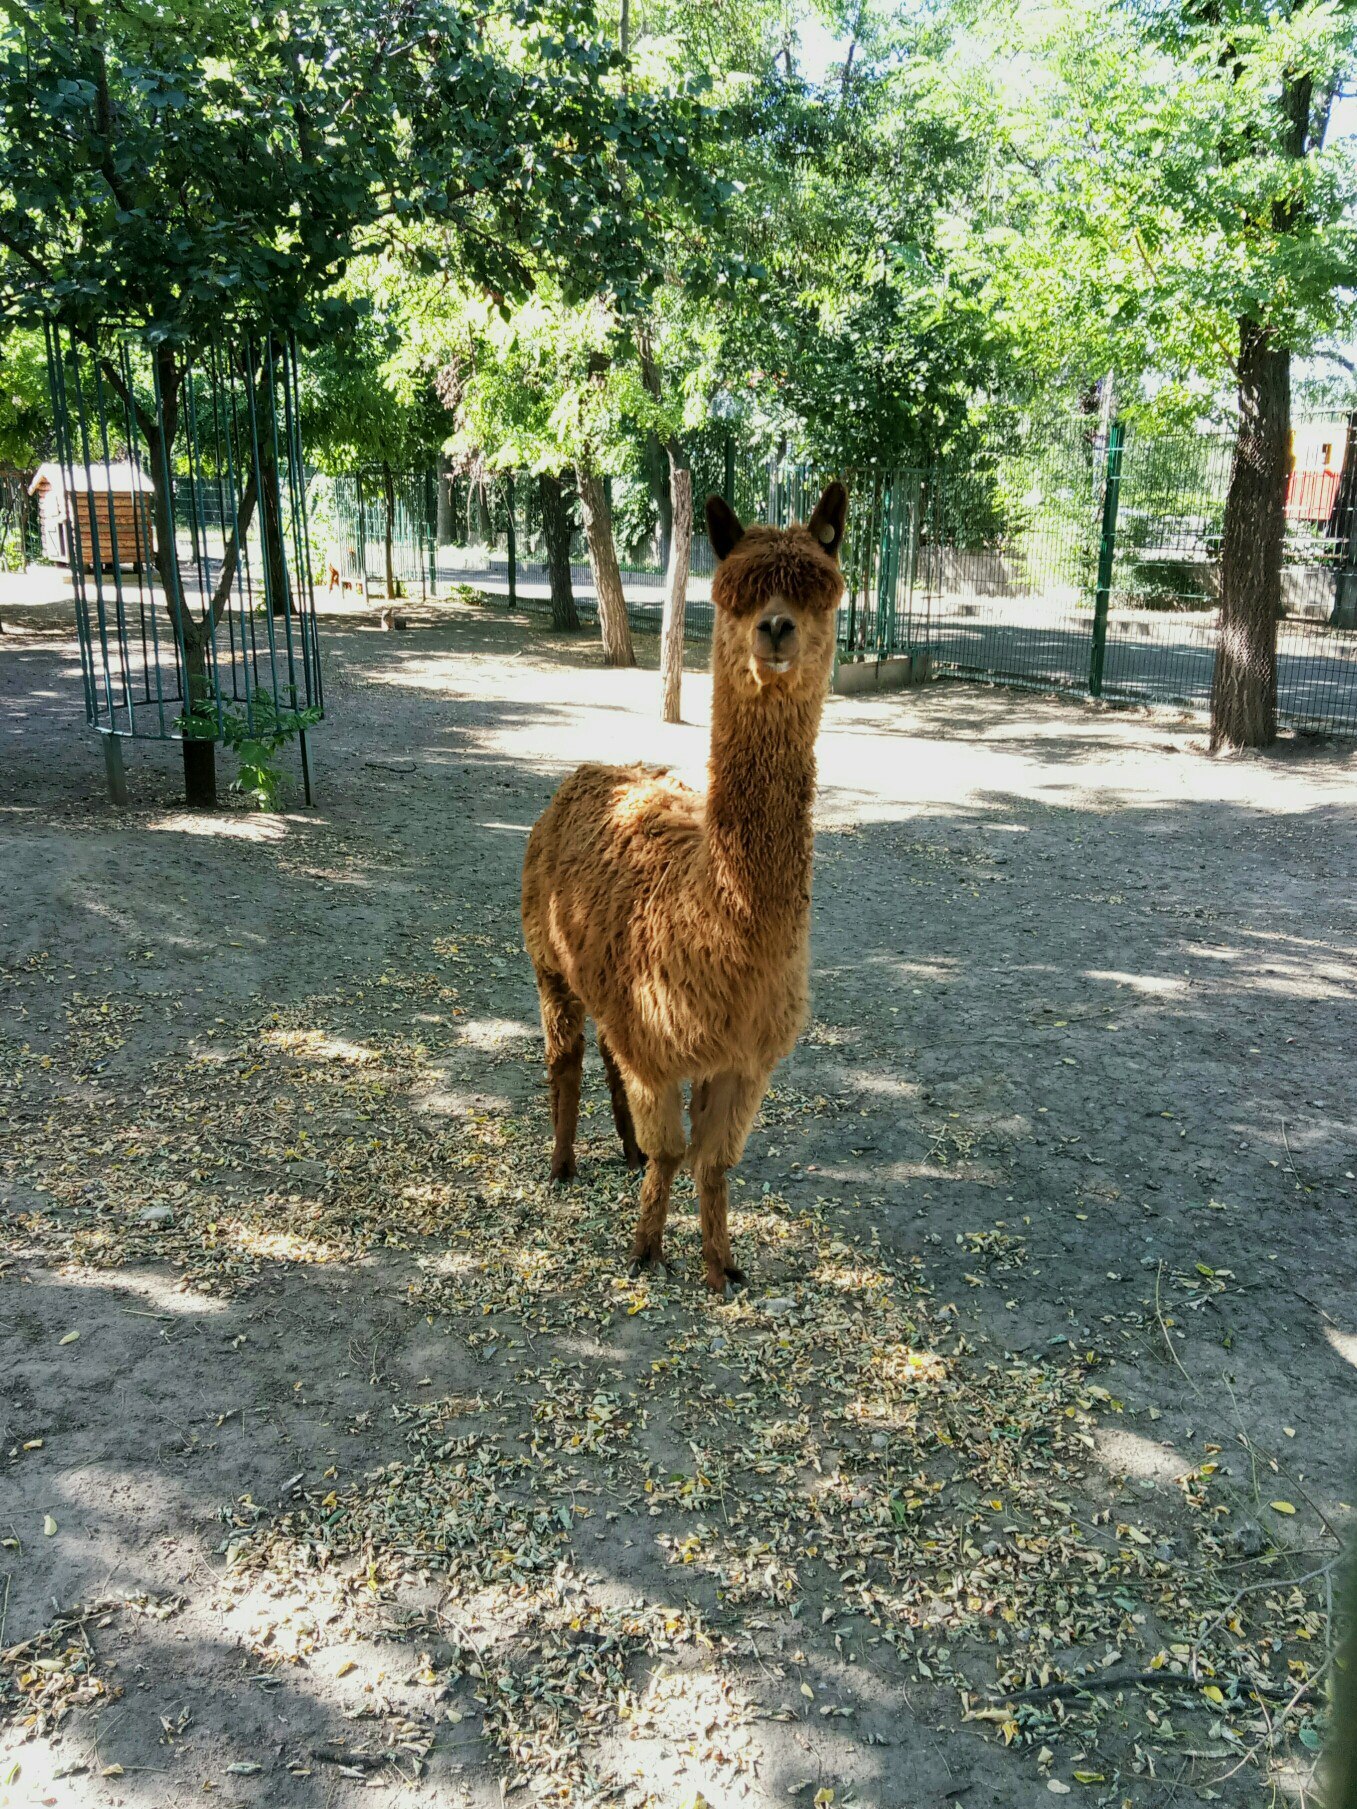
x=485, y=521
x=556, y=533
x=658, y=471
x=200, y=754
x=612, y=604
x=443, y=528
x=200, y=751
x=277, y=577
x=676, y=582
x=393, y=588
x=1244, y=688
x=166, y=556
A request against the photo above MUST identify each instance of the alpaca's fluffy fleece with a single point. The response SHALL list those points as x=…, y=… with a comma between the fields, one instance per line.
x=680, y=922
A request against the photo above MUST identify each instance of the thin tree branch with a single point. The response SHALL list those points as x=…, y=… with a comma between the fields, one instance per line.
x=230, y=558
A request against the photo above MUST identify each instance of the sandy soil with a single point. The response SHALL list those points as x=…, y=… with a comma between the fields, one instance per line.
x=370, y=1468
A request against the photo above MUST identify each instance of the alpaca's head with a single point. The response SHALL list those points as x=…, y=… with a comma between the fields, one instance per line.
x=776, y=591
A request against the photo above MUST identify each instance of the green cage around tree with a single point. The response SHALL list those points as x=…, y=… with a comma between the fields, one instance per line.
x=177, y=498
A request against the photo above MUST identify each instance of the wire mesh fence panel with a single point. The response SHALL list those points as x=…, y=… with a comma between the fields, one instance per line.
x=993, y=566
x=374, y=531
x=1317, y=639
x=177, y=501
x=1005, y=555
x=1163, y=623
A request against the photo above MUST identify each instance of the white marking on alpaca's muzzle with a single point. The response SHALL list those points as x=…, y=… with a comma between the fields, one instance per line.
x=777, y=642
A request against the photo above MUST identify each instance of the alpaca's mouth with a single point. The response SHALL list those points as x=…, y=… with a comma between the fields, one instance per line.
x=765, y=668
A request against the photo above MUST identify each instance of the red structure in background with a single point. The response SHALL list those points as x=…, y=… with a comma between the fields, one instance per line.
x=1317, y=470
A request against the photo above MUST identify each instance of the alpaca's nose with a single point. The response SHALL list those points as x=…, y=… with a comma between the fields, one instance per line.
x=775, y=637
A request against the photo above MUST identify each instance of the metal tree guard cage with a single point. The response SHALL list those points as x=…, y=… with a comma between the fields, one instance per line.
x=178, y=499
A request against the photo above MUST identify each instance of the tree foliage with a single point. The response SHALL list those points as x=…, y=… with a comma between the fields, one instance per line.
x=364, y=400
x=25, y=406
x=1164, y=173
x=172, y=165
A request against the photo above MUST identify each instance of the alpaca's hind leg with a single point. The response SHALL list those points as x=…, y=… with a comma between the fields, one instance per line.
x=658, y=1116
x=724, y=1108
x=563, y=1029
x=632, y=1153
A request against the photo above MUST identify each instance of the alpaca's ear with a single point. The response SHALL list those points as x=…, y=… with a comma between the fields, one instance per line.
x=830, y=518
x=725, y=530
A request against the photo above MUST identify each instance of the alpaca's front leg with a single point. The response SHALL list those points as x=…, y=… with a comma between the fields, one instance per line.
x=658, y=1116
x=724, y=1109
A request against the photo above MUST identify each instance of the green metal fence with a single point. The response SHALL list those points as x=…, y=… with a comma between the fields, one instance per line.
x=1102, y=574
x=1073, y=554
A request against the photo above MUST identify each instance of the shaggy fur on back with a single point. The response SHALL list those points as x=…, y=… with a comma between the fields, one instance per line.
x=680, y=922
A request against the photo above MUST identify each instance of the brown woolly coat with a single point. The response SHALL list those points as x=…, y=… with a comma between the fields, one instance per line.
x=680, y=921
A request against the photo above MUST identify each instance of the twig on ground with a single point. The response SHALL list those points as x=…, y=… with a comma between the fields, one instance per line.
x=1291, y=1160
x=340, y=1755
x=1308, y=1576
x=1164, y=1331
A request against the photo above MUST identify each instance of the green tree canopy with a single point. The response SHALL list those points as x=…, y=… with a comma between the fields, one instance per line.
x=174, y=165
x=25, y=407
x=1174, y=208
x=1160, y=175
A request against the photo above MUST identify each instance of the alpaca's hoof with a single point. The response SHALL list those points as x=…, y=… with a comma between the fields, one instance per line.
x=633, y=1157
x=639, y=1264
x=726, y=1283
x=563, y=1169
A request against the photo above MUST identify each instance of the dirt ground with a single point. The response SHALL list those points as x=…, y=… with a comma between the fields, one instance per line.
x=340, y=1453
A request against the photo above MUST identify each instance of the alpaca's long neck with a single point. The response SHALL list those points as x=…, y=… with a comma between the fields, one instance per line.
x=761, y=789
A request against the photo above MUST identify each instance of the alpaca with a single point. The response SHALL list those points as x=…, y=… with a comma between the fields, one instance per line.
x=681, y=924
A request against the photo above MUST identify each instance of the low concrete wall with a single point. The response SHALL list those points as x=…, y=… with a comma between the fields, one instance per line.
x=894, y=673
x=1307, y=590
x=984, y=574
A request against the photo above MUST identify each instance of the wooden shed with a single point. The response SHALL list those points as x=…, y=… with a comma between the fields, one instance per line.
x=95, y=514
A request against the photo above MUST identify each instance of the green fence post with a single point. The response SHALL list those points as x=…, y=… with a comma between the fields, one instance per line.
x=431, y=527
x=728, y=475
x=1107, y=547
x=916, y=503
x=513, y=547
x=362, y=549
x=888, y=568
